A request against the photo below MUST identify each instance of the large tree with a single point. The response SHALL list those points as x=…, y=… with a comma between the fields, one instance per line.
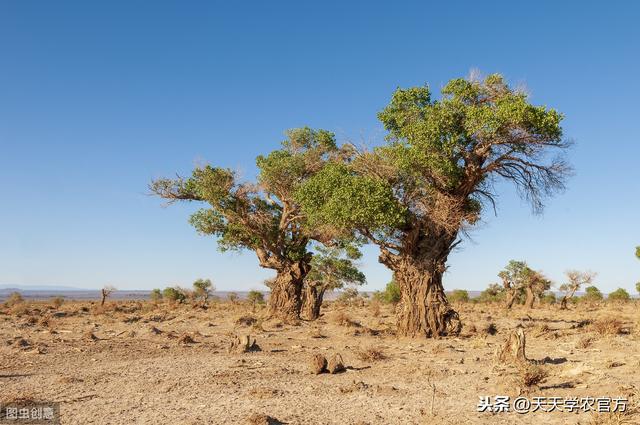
x=331, y=268
x=416, y=195
x=262, y=217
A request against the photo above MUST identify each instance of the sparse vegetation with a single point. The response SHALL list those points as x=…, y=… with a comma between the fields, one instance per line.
x=202, y=289
x=459, y=296
x=105, y=292
x=620, y=295
x=174, y=294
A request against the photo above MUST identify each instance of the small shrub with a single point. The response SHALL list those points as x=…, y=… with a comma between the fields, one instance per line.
x=530, y=374
x=371, y=354
x=390, y=295
x=255, y=297
x=57, y=302
x=232, y=297
x=246, y=320
x=156, y=295
x=14, y=299
x=459, y=295
x=348, y=296
x=619, y=295
x=609, y=326
x=174, y=294
x=584, y=342
x=548, y=298
x=592, y=294
x=493, y=294
x=375, y=308
x=343, y=319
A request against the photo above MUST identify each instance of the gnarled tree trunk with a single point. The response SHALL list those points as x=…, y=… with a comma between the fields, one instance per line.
x=312, y=301
x=510, y=298
x=286, y=290
x=530, y=297
x=423, y=310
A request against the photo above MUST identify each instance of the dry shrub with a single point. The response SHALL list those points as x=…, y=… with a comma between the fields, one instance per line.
x=531, y=374
x=371, y=354
x=246, y=320
x=186, y=339
x=584, y=342
x=343, y=319
x=316, y=332
x=375, y=308
x=57, y=302
x=490, y=329
x=14, y=299
x=608, y=326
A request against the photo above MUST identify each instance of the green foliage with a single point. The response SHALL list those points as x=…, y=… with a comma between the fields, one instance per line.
x=202, y=289
x=638, y=287
x=348, y=296
x=341, y=198
x=255, y=297
x=458, y=295
x=390, y=295
x=619, y=294
x=592, y=294
x=174, y=294
x=638, y=252
x=57, y=301
x=155, y=295
x=331, y=270
x=232, y=297
x=548, y=298
x=439, y=165
x=262, y=217
x=493, y=293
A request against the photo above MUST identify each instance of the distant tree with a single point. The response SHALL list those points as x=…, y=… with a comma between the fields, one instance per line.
x=638, y=287
x=415, y=195
x=390, y=294
x=262, y=217
x=638, y=252
x=255, y=297
x=514, y=277
x=576, y=279
x=202, y=289
x=548, y=298
x=459, y=295
x=619, y=294
x=13, y=299
x=493, y=293
x=105, y=292
x=331, y=268
x=232, y=297
x=155, y=295
x=174, y=294
x=592, y=294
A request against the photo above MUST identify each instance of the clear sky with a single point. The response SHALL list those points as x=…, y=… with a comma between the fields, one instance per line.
x=98, y=98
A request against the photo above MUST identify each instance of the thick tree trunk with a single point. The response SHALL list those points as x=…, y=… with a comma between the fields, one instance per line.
x=563, y=303
x=423, y=310
x=312, y=301
x=530, y=298
x=510, y=298
x=286, y=290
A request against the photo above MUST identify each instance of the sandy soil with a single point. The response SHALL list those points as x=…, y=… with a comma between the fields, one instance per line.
x=140, y=363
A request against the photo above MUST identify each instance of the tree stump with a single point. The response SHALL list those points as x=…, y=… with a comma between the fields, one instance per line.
x=318, y=364
x=245, y=345
x=336, y=364
x=514, y=348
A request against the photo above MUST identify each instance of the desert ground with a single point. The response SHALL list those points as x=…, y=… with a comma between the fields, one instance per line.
x=141, y=362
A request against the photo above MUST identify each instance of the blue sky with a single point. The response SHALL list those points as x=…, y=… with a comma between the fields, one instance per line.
x=98, y=98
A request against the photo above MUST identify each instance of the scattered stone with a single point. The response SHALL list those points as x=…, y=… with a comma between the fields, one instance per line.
x=335, y=364
x=318, y=364
x=245, y=345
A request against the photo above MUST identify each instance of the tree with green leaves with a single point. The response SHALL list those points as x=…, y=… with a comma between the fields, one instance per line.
x=417, y=194
x=619, y=294
x=576, y=279
x=592, y=294
x=262, y=217
x=331, y=268
x=514, y=280
x=202, y=289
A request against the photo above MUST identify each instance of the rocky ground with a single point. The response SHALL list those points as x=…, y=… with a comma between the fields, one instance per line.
x=136, y=362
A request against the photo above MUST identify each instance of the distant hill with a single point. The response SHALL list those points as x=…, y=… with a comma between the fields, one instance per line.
x=13, y=287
